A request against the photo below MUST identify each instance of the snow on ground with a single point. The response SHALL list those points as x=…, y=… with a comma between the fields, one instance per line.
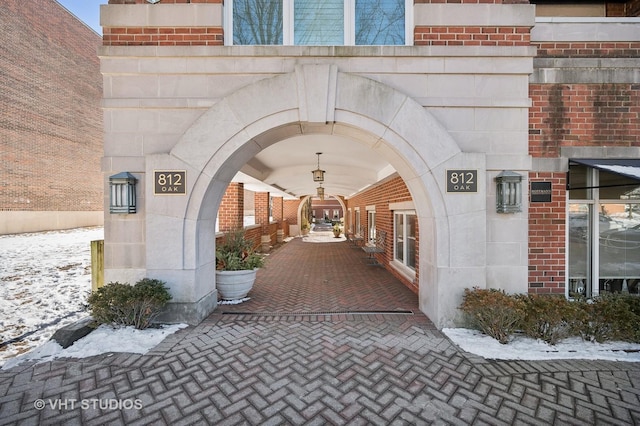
x=526, y=348
x=45, y=279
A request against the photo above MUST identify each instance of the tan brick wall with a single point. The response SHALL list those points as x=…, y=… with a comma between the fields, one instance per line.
x=51, y=127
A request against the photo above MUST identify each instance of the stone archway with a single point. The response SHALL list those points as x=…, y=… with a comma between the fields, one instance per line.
x=305, y=198
x=317, y=98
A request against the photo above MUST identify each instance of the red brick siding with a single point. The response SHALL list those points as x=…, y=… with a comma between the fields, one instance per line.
x=262, y=210
x=291, y=211
x=163, y=36
x=582, y=115
x=471, y=36
x=587, y=49
x=231, y=211
x=547, y=223
x=50, y=113
x=381, y=195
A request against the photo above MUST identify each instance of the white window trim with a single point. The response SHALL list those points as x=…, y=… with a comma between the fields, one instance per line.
x=395, y=260
x=288, y=27
x=403, y=270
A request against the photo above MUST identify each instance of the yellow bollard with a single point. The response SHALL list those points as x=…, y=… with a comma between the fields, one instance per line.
x=97, y=264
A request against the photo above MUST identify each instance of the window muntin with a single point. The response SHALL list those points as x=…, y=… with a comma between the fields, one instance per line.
x=309, y=22
x=404, y=238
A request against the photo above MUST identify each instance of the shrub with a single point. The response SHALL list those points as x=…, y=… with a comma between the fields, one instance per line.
x=493, y=312
x=121, y=304
x=609, y=317
x=547, y=317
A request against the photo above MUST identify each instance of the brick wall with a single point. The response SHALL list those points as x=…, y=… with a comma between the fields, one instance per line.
x=262, y=210
x=471, y=36
x=547, y=237
x=50, y=110
x=231, y=211
x=391, y=190
x=163, y=36
x=582, y=115
x=290, y=211
x=577, y=113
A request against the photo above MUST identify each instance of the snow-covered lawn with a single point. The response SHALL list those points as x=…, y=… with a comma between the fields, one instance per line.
x=45, y=279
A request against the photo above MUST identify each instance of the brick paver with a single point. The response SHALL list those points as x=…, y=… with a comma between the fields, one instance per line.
x=325, y=339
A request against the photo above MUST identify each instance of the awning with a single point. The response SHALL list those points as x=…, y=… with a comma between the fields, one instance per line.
x=626, y=167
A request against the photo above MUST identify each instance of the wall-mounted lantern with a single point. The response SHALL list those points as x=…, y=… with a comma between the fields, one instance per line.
x=318, y=174
x=123, y=193
x=508, y=192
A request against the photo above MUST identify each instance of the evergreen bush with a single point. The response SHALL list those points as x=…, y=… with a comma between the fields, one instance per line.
x=547, y=317
x=121, y=304
x=493, y=312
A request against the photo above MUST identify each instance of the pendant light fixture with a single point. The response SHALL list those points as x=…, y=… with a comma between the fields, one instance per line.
x=318, y=174
x=320, y=191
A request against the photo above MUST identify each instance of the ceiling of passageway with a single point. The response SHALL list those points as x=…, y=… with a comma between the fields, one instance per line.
x=284, y=168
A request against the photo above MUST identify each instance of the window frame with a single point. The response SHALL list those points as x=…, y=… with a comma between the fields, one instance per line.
x=594, y=204
x=402, y=263
x=349, y=23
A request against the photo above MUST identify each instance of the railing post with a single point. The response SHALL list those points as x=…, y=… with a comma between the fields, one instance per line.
x=97, y=264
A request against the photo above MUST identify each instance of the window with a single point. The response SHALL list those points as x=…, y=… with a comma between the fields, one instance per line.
x=603, y=232
x=371, y=223
x=319, y=23
x=404, y=238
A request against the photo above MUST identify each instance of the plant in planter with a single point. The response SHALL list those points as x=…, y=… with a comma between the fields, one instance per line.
x=304, y=226
x=236, y=266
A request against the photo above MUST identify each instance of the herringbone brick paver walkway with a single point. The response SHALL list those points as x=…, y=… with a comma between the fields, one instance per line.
x=350, y=358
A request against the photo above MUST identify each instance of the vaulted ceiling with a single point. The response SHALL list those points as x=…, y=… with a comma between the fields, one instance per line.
x=284, y=168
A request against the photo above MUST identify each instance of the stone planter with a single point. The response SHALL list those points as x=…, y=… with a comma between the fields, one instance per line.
x=234, y=285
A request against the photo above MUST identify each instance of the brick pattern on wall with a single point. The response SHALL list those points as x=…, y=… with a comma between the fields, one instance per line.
x=587, y=49
x=163, y=36
x=582, y=115
x=381, y=195
x=51, y=127
x=290, y=211
x=471, y=36
x=231, y=211
x=262, y=210
x=547, y=223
